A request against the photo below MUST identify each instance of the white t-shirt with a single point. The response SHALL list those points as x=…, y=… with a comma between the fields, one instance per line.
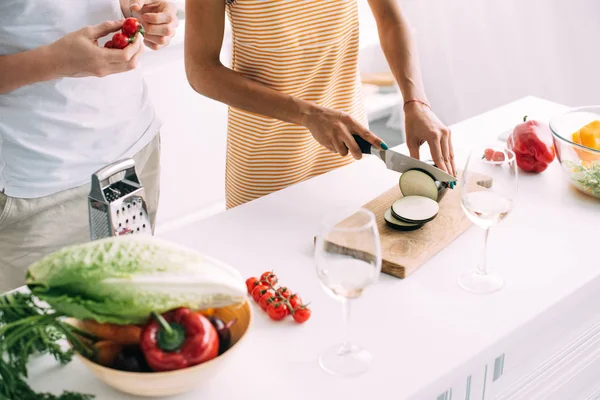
x=55, y=134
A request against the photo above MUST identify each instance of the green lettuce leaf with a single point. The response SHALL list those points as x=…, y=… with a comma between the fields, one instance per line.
x=123, y=279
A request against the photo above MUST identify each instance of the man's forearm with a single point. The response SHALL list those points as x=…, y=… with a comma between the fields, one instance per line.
x=399, y=47
x=26, y=68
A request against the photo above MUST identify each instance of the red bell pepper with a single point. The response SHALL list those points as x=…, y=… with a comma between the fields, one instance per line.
x=531, y=141
x=178, y=339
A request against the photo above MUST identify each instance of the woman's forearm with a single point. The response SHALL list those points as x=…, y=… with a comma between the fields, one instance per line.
x=22, y=69
x=399, y=47
x=232, y=88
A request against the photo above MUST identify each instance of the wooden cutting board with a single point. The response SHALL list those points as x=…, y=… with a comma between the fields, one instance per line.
x=404, y=252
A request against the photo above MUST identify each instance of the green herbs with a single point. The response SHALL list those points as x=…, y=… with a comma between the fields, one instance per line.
x=588, y=177
x=26, y=329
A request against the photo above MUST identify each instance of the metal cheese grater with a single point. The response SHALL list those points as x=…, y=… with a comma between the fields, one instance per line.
x=116, y=202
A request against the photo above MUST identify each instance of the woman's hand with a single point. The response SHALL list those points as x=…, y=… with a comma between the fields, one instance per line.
x=334, y=129
x=159, y=19
x=80, y=55
x=422, y=125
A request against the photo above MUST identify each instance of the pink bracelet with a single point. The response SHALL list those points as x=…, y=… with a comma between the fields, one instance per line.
x=416, y=101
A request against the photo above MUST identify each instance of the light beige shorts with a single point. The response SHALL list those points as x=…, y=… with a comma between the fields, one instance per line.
x=33, y=228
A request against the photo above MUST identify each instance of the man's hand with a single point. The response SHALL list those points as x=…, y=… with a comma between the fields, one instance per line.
x=80, y=55
x=159, y=19
x=422, y=125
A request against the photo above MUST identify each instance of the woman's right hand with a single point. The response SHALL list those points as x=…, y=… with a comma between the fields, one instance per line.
x=80, y=55
x=334, y=129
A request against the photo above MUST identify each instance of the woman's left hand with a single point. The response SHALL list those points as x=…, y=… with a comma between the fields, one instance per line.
x=159, y=19
x=422, y=125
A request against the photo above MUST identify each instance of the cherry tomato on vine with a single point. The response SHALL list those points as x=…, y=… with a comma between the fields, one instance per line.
x=120, y=40
x=264, y=300
x=277, y=310
x=295, y=301
x=258, y=291
x=269, y=277
x=302, y=314
x=131, y=26
x=251, y=283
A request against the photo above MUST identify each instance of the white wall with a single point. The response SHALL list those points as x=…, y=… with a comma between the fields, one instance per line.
x=479, y=54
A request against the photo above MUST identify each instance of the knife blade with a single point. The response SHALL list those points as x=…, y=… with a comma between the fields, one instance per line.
x=401, y=163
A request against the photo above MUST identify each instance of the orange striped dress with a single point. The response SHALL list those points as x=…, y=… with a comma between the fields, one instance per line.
x=305, y=48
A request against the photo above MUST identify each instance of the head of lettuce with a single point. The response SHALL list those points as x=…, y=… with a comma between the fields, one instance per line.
x=121, y=280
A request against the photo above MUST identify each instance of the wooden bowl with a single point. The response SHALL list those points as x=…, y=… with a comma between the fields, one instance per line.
x=161, y=384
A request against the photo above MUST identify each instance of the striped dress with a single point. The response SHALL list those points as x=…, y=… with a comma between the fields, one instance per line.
x=305, y=48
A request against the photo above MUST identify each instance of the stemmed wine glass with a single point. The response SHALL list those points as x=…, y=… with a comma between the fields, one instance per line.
x=488, y=190
x=348, y=260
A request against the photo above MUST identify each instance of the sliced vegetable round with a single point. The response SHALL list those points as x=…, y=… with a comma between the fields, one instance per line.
x=395, y=223
x=415, y=209
x=415, y=182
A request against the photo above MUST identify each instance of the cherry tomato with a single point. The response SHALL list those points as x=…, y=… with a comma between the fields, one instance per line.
x=109, y=44
x=295, y=301
x=251, y=283
x=277, y=310
x=488, y=154
x=120, y=40
x=131, y=26
x=258, y=291
x=264, y=300
x=302, y=315
x=284, y=292
x=269, y=277
x=498, y=156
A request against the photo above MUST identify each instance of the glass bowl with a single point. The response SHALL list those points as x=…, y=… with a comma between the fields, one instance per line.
x=579, y=160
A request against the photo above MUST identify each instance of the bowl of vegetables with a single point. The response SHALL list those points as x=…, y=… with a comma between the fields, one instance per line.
x=576, y=135
x=148, y=317
x=150, y=361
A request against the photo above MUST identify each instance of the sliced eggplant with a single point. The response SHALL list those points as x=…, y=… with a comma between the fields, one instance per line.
x=415, y=182
x=395, y=223
x=415, y=209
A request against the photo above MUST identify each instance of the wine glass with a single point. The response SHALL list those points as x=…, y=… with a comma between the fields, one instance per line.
x=348, y=259
x=488, y=189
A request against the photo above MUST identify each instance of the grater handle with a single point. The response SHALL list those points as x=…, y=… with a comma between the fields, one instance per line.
x=115, y=168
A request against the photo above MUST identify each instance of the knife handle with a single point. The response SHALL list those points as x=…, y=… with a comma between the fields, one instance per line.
x=365, y=147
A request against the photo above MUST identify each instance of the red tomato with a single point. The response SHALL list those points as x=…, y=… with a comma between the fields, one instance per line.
x=284, y=292
x=251, y=283
x=488, y=154
x=302, y=315
x=498, y=156
x=277, y=310
x=131, y=26
x=120, y=40
x=295, y=301
x=109, y=44
x=269, y=277
x=264, y=300
x=258, y=291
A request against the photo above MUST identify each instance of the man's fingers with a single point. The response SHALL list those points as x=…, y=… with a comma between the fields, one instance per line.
x=160, y=30
x=158, y=18
x=136, y=5
x=103, y=29
x=158, y=40
x=436, y=153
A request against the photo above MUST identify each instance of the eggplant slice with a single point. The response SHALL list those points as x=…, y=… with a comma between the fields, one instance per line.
x=396, y=224
x=415, y=182
x=415, y=209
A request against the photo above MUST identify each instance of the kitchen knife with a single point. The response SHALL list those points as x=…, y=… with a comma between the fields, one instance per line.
x=401, y=163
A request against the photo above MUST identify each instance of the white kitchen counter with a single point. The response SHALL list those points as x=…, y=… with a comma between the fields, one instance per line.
x=426, y=334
